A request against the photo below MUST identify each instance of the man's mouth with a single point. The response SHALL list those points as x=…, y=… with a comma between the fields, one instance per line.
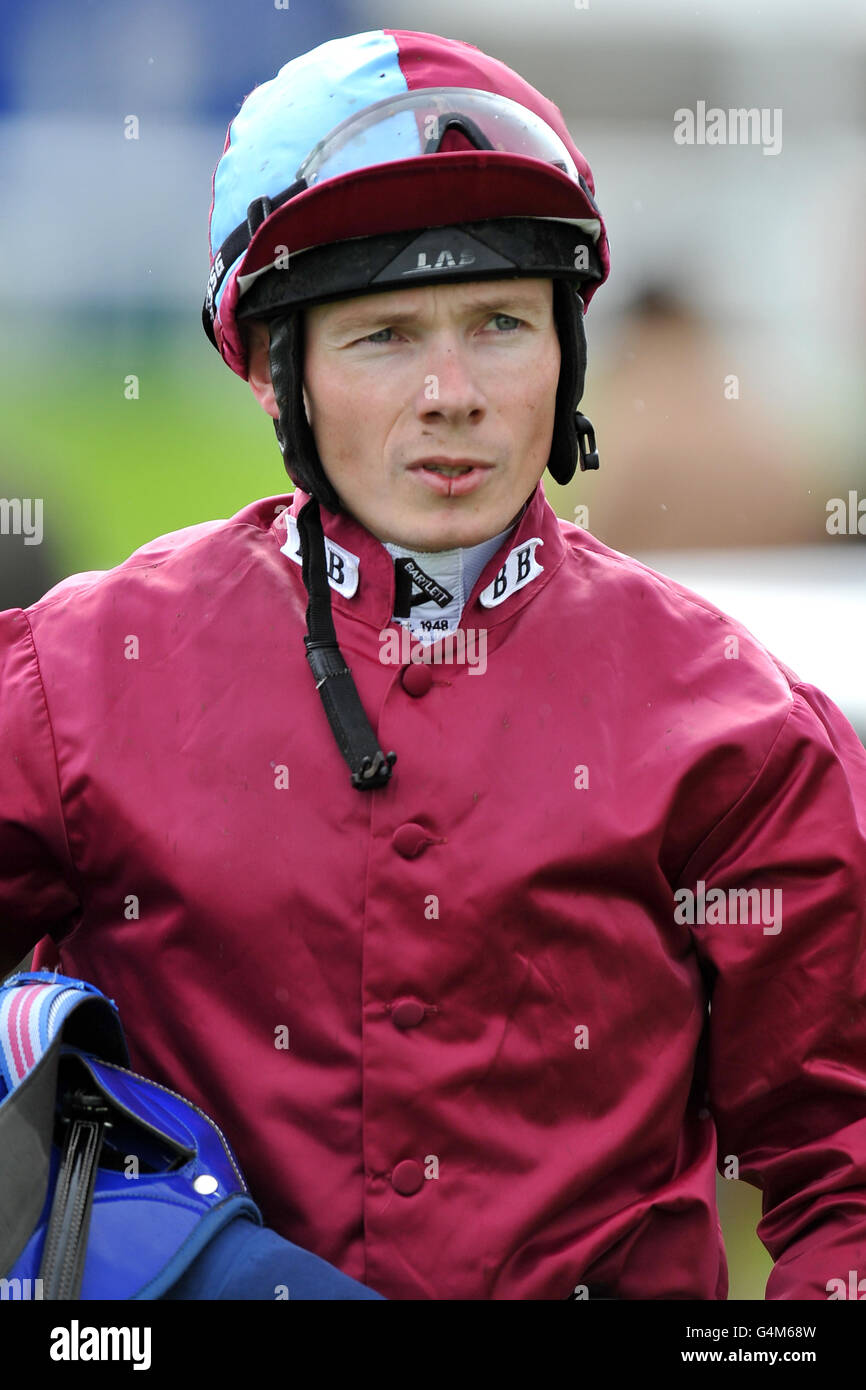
x=452, y=472
x=451, y=477
x=448, y=468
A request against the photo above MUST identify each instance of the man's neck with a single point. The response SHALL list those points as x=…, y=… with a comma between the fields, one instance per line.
x=432, y=586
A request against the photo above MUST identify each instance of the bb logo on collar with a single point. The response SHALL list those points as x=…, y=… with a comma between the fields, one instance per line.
x=520, y=568
x=342, y=564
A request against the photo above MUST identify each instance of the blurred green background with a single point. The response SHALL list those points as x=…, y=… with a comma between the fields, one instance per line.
x=115, y=472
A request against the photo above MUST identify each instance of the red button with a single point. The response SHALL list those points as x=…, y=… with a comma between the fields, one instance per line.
x=407, y=1013
x=417, y=678
x=410, y=840
x=407, y=1177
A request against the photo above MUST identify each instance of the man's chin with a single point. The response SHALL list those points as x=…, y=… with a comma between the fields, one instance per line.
x=446, y=534
x=438, y=523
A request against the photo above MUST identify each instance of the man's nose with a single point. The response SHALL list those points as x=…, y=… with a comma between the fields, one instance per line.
x=450, y=388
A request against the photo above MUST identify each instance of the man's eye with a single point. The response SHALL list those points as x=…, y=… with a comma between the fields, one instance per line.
x=377, y=336
x=510, y=322
x=506, y=323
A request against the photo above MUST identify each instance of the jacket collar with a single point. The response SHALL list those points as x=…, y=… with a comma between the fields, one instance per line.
x=361, y=571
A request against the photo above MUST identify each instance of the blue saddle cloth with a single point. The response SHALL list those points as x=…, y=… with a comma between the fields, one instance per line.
x=111, y=1185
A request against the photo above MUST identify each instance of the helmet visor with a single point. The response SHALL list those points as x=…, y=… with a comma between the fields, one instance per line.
x=421, y=122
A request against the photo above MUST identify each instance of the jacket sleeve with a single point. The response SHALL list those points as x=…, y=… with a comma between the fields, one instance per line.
x=787, y=1022
x=37, y=878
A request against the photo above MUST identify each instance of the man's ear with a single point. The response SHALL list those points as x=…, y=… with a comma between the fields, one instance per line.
x=258, y=338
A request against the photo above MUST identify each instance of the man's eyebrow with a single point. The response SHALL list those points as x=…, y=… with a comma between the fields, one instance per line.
x=492, y=303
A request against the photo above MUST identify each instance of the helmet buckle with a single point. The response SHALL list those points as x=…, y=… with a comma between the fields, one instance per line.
x=258, y=210
x=585, y=432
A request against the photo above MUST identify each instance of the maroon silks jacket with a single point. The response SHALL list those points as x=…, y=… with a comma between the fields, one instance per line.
x=458, y=1029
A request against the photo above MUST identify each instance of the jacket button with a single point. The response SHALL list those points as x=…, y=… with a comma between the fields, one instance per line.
x=408, y=1177
x=407, y=1013
x=417, y=678
x=411, y=839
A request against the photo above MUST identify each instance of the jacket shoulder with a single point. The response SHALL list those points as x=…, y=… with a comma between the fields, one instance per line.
x=666, y=609
x=172, y=548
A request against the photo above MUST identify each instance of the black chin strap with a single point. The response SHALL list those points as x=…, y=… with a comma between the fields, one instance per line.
x=356, y=741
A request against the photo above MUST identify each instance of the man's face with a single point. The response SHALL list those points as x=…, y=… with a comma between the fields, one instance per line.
x=400, y=382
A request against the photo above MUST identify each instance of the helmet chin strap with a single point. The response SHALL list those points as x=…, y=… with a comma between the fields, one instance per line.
x=370, y=767
x=292, y=428
x=571, y=430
